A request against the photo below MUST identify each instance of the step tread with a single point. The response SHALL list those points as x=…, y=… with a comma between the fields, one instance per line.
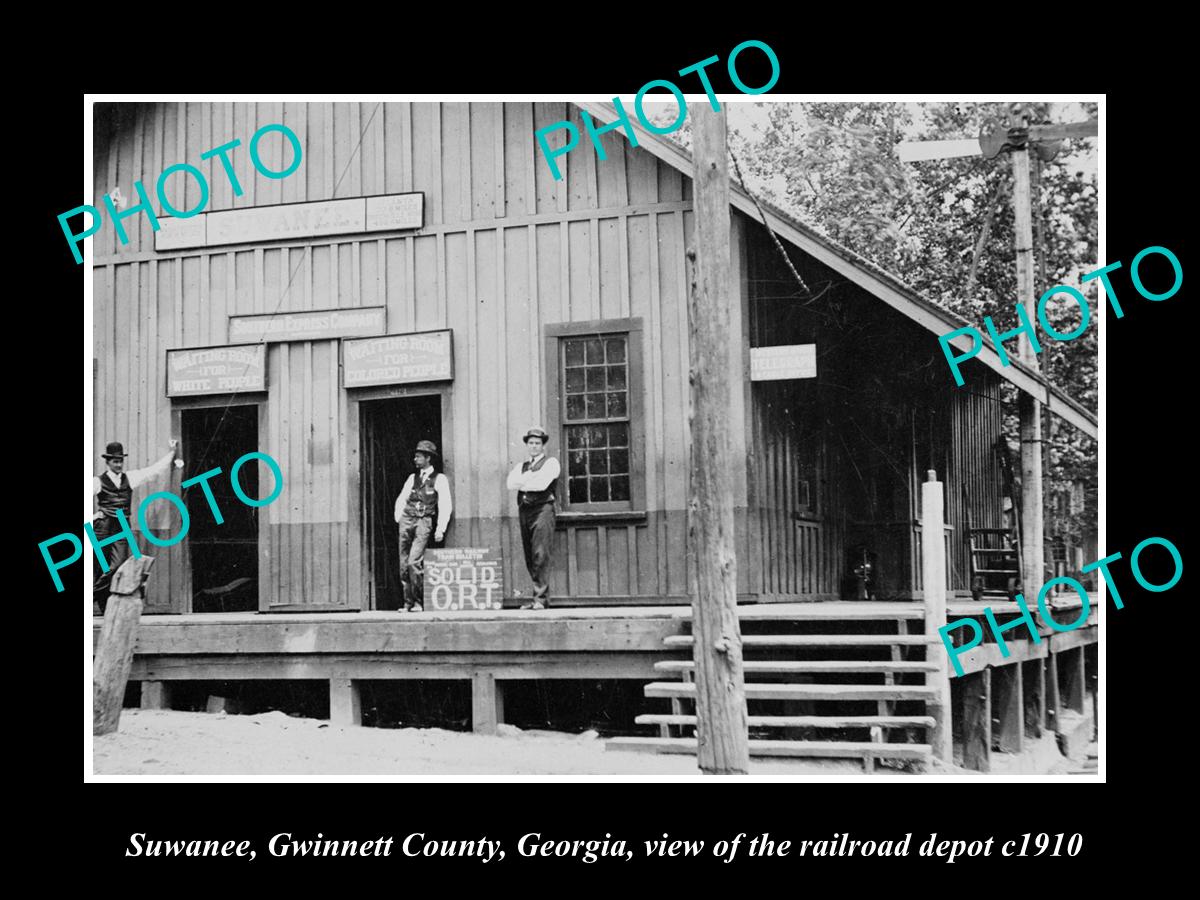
x=812, y=665
x=804, y=691
x=830, y=612
x=850, y=749
x=800, y=721
x=817, y=640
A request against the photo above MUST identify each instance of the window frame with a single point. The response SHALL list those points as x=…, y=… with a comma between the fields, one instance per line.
x=553, y=370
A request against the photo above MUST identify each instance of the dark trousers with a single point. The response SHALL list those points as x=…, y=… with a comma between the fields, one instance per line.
x=414, y=536
x=537, y=538
x=114, y=554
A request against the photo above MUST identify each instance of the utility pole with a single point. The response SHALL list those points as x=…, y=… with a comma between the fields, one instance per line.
x=1017, y=137
x=1029, y=409
x=723, y=745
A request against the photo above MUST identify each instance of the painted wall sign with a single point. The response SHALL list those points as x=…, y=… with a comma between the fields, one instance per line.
x=267, y=223
x=395, y=212
x=398, y=359
x=216, y=370
x=782, y=363
x=310, y=325
x=285, y=221
x=464, y=578
x=175, y=234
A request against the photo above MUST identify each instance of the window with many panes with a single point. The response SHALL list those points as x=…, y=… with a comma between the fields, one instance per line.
x=594, y=386
x=596, y=417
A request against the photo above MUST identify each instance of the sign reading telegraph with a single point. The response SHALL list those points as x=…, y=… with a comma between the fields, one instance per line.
x=783, y=363
x=398, y=359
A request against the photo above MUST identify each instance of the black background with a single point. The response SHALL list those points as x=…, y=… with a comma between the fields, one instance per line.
x=1150, y=406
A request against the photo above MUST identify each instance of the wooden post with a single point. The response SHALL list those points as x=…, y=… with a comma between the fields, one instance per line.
x=487, y=703
x=156, y=695
x=1092, y=665
x=977, y=721
x=933, y=576
x=1076, y=681
x=1030, y=410
x=114, y=652
x=345, y=705
x=1034, y=678
x=1053, y=696
x=1007, y=707
x=723, y=738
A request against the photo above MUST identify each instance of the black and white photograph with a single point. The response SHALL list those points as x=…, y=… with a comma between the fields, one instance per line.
x=482, y=438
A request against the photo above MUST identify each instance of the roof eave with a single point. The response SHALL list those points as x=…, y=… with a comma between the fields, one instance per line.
x=873, y=279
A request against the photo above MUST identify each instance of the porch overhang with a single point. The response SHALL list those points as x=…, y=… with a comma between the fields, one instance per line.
x=870, y=277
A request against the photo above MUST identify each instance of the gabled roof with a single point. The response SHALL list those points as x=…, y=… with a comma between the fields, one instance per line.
x=870, y=277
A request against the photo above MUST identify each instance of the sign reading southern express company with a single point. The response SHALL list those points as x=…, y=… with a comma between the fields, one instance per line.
x=310, y=325
x=216, y=370
x=398, y=359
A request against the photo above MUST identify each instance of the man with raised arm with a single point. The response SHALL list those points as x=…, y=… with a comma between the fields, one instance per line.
x=112, y=490
x=534, y=481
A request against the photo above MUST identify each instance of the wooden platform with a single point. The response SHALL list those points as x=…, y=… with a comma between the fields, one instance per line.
x=490, y=647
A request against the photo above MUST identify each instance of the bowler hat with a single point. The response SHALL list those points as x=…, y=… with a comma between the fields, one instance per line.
x=537, y=433
x=115, y=451
x=427, y=447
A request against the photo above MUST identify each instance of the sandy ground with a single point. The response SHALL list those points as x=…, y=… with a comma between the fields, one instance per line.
x=169, y=742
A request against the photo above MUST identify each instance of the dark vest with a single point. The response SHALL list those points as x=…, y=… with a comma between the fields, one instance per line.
x=535, y=498
x=113, y=497
x=423, y=499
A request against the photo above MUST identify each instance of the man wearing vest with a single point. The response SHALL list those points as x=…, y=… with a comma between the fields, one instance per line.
x=113, y=491
x=534, y=480
x=424, y=501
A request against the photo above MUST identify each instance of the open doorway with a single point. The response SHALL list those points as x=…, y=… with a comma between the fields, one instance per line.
x=390, y=430
x=224, y=558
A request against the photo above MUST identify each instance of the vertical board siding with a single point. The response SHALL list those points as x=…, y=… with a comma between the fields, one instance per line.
x=479, y=267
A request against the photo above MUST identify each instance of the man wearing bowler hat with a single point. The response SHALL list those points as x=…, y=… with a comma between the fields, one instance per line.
x=423, y=508
x=112, y=492
x=534, y=480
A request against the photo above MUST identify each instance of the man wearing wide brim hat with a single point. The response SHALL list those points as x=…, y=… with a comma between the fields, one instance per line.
x=534, y=480
x=423, y=508
x=112, y=492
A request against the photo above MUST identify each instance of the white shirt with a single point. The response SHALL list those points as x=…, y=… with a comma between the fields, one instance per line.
x=441, y=484
x=137, y=477
x=534, y=481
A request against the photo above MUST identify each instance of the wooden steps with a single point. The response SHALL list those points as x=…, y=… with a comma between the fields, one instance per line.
x=755, y=691
x=864, y=750
x=802, y=721
x=819, y=640
x=860, y=611
x=899, y=661
x=856, y=666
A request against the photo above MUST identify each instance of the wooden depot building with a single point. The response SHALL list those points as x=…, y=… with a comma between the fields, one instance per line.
x=423, y=276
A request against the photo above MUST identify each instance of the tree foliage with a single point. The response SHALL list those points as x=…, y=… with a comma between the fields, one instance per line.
x=945, y=227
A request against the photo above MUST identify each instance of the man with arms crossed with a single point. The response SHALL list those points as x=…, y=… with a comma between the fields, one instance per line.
x=534, y=481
